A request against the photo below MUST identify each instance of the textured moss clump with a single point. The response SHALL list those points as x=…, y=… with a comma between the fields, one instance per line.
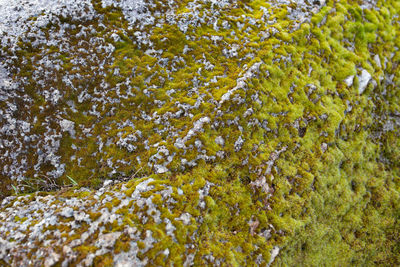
x=291, y=124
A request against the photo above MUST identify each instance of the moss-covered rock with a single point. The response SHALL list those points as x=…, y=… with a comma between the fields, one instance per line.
x=264, y=132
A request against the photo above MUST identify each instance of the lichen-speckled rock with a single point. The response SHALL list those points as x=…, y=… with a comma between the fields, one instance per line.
x=205, y=132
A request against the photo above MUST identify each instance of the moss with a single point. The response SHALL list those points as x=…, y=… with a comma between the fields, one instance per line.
x=94, y=215
x=84, y=250
x=141, y=245
x=21, y=220
x=330, y=197
x=105, y=260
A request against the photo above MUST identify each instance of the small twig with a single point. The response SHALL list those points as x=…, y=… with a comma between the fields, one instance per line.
x=134, y=175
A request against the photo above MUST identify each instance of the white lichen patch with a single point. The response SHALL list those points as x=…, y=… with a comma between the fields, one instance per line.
x=47, y=220
x=16, y=17
x=72, y=51
x=363, y=80
x=349, y=80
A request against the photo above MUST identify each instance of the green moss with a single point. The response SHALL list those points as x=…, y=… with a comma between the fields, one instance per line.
x=21, y=220
x=84, y=250
x=332, y=194
x=105, y=260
